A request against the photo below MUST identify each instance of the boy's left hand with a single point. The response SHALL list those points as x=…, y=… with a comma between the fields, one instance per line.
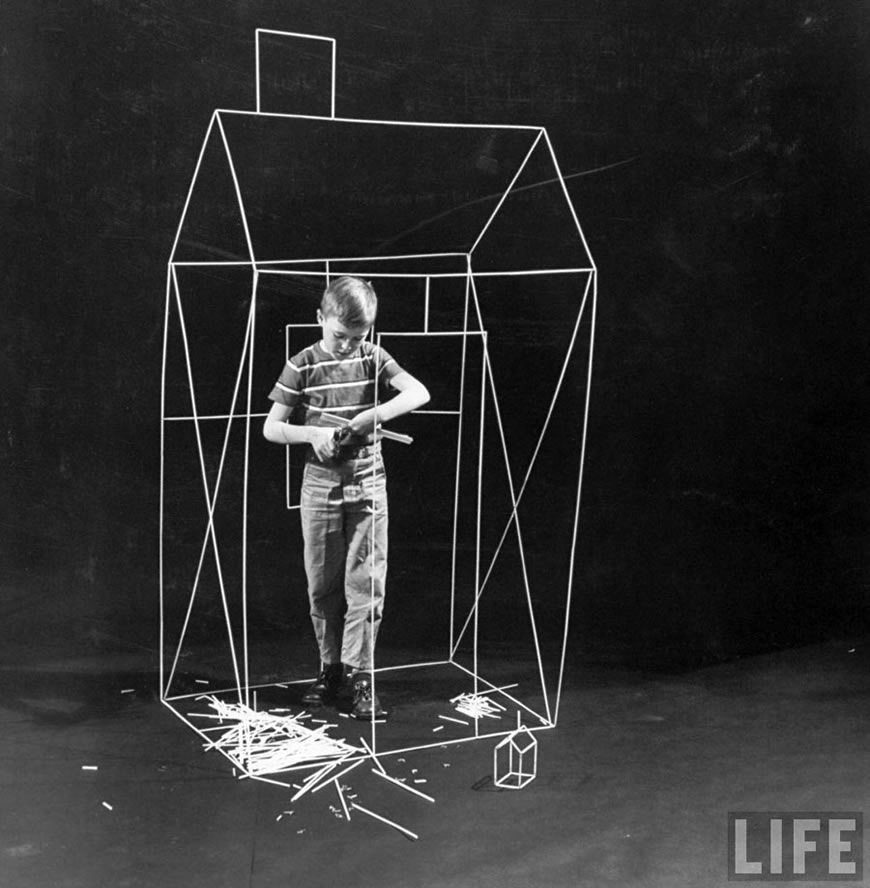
x=363, y=423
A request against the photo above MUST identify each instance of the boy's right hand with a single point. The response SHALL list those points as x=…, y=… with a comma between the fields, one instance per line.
x=323, y=442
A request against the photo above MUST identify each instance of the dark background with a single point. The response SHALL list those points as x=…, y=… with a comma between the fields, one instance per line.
x=718, y=157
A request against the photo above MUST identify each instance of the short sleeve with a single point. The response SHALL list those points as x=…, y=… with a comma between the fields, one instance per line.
x=387, y=365
x=288, y=387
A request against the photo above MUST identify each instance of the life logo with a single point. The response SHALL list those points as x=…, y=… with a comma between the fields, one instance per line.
x=795, y=846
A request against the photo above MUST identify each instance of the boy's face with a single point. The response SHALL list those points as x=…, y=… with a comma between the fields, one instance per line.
x=341, y=341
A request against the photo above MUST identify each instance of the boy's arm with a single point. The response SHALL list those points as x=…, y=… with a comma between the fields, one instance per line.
x=279, y=431
x=411, y=395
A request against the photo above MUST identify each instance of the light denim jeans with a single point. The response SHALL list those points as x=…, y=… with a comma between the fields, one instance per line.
x=344, y=529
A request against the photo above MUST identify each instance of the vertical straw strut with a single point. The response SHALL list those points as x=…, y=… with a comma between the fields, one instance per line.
x=577, y=500
x=480, y=450
x=459, y=431
x=210, y=500
x=514, y=507
x=252, y=338
x=590, y=280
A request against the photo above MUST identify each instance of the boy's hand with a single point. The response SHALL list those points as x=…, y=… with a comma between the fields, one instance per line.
x=323, y=442
x=363, y=423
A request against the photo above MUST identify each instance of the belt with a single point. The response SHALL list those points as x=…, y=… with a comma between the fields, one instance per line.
x=360, y=452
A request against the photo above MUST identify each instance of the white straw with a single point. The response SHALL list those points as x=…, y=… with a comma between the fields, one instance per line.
x=310, y=782
x=487, y=690
x=374, y=757
x=334, y=778
x=401, y=829
x=404, y=786
x=341, y=798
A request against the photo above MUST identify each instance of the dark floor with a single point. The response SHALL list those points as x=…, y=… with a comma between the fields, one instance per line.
x=634, y=785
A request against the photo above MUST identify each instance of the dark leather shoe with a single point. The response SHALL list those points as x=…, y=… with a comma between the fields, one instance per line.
x=345, y=688
x=326, y=686
x=365, y=701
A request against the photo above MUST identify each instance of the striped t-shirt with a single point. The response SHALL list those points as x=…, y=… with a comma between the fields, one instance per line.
x=314, y=382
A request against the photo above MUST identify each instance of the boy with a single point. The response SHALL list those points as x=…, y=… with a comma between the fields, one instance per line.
x=344, y=496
